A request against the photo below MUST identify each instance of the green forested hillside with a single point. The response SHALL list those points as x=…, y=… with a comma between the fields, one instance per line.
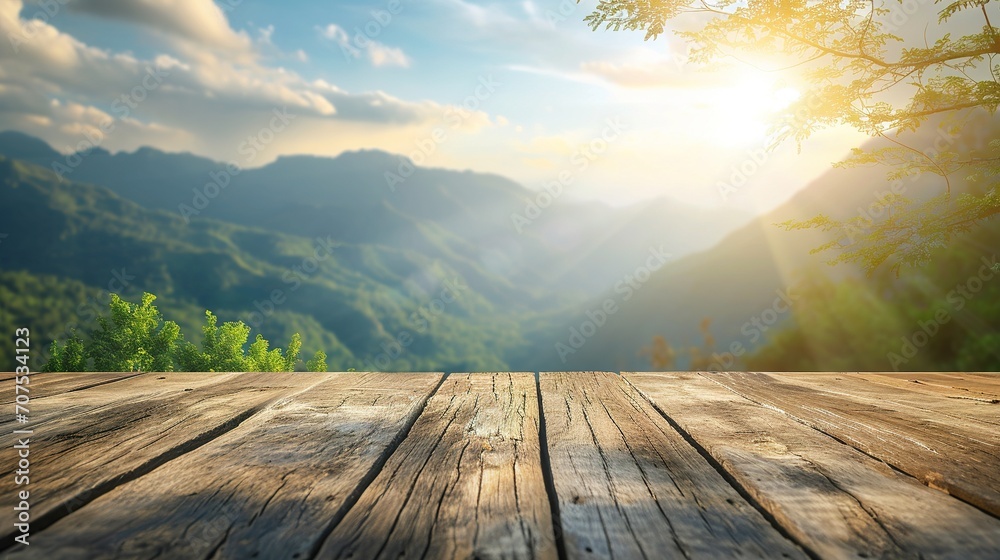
x=750, y=286
x=405, y=284
x=71, y=243
x=465, y=220
x=944, y=317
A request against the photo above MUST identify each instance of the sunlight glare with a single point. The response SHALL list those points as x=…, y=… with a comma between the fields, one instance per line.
x=741, y=112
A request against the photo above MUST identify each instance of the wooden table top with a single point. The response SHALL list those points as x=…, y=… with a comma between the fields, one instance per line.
x=505, y=465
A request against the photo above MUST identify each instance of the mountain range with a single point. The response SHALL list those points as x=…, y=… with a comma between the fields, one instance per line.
x=446, y=270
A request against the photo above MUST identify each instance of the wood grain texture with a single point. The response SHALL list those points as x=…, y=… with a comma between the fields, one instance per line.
x=835, y=500
x=42, y=385
x=465, y=483
x=269, y=488
x=100, y=397
x=954, y=406
x=357, y=465
x=100, y=441
x=937, y=451
x=630, y=486
x=983, y=388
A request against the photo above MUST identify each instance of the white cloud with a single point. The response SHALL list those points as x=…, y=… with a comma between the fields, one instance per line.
x=632, y=75
x=354, y=47
x=201, y=22
x=336, y=33
x=56, y=87
x=264, y=35
x=381, y=55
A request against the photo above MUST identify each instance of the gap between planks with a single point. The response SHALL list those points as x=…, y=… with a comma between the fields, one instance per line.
x=246, y=493
x=226, y=548
x=949, y=454
x=119, y=448
x=834, y=499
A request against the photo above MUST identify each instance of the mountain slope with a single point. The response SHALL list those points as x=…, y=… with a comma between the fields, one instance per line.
x=348, y=299
x=746, y=284
x=465, y=219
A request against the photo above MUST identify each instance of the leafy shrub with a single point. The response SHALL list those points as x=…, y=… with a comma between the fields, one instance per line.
x=134, y=337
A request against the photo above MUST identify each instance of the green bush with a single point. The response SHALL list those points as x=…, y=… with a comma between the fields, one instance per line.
x=134, y=337
x=318, y=362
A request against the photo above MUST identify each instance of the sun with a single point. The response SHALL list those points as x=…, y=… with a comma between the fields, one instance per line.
x=742, y=110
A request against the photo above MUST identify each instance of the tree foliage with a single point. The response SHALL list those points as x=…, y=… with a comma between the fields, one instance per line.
x=134, y=337
x=221, y=347
x=858, y=72
x=318, y=362
x=662, y=356
x=855, y=325
x=68, y=357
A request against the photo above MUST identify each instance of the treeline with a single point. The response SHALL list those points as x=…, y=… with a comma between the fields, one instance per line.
x=942, y=317
x=135, y=337
x=936, y=322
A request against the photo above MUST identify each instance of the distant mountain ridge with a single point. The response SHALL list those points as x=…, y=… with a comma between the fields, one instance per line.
x=573, y=290
x=462, y=217
x=395, y=249
x=344, y=298
x=746, y=283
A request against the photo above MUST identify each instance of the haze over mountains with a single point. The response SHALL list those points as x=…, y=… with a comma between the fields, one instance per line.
x=464, y=218
x=326, y=247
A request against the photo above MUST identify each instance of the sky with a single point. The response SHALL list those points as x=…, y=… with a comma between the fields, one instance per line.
x=524, y=89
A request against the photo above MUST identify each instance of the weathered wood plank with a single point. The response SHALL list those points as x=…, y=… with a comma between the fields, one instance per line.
x=267, y=489
x=42, y=385
x=630, y=486
x=936, y=451
x=145, y=385
x=80, y=455
x=972, y=413
x=465, y=483
x=977, y=387
x=953, y=378
x=835, y=500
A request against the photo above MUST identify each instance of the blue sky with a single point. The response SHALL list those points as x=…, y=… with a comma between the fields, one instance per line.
x=555, y=86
